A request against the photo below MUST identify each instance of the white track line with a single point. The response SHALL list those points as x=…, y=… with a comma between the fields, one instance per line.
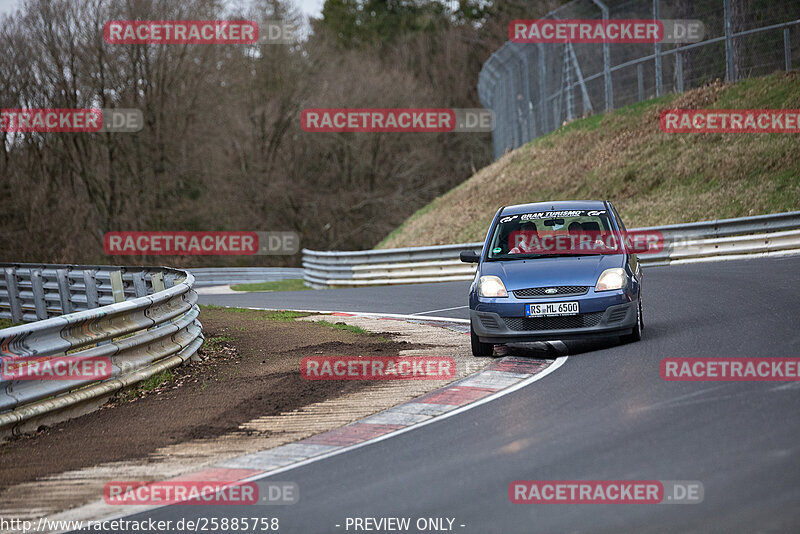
x=442, y=309
x=360, y=314
x=561, y=360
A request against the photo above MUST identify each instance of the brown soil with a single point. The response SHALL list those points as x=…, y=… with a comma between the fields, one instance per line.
x=254, y=374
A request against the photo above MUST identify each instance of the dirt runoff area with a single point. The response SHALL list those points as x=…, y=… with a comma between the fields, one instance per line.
x=243, y=395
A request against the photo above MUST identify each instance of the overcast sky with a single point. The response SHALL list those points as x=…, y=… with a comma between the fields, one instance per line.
x=309, y=7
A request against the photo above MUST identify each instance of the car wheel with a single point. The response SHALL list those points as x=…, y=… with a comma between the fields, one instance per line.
x=636, y=335
x=478, y=348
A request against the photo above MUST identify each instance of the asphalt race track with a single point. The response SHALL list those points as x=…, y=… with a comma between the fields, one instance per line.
x=406, y=299
x=604, y=415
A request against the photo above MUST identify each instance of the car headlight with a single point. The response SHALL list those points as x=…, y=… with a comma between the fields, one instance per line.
x=491, y=286
x=612, y=279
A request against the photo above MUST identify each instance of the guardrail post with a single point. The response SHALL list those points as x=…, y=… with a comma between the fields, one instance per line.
x=139, y=284
x=37, y=285
x=62, y=277
x=117, y=288
x=89, y=281
x=787, y=49
x=157, y=281
x=13, y=295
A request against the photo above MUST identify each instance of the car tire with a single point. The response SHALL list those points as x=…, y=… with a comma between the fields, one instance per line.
x=478, y=348
x=636, y=335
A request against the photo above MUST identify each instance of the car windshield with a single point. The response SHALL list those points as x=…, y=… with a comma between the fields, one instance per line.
x=551, y=234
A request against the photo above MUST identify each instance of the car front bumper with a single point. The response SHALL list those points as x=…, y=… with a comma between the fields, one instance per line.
x=613, y=320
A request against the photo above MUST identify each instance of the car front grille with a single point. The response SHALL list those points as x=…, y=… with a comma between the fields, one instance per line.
x=535, y=292
x=523, y=324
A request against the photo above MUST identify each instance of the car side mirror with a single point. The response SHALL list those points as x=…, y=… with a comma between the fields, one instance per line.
x=469, y=256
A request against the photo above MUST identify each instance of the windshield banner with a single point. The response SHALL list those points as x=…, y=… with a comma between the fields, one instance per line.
x=584, y=242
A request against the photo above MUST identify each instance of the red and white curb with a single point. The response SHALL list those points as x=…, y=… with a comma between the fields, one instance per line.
x=500, y=378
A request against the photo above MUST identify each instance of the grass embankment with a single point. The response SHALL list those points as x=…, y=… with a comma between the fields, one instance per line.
x=652, y=177
x=290, y=284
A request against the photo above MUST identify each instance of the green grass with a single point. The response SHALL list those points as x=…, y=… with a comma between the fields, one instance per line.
x=224, y=308
x=343, y=326
x=155, y=381
x=653, y=178
x=284, y=315
x=352, y=328
x=291, y=284
x=215, y=342
x=7, y=323
x=258, y=315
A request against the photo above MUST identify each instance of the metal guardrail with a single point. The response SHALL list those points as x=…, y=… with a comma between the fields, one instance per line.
x=763, y=234
x=143, y=319
x=214, y=276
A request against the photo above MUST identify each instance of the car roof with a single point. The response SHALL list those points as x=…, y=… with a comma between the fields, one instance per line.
x=559, y=205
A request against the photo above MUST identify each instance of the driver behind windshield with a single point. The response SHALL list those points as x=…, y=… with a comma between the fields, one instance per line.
x=527, y=244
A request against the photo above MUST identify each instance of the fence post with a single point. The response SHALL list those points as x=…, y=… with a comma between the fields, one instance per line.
x=542, y=88
x=730, y=74
x=657, y=52
x=787, y=49
x=587, y=102
x=509, y=108
x=526, y=93
x=679, y=71
x=607, y=61
x=497, y=106
x=640, y=80
x=515, y=79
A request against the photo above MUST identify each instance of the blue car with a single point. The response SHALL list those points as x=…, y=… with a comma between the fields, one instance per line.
x=525, y=289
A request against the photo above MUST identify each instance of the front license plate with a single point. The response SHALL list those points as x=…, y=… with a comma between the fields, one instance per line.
x=552, y=309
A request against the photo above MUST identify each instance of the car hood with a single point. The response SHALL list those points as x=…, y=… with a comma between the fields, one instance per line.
x=563, y=271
